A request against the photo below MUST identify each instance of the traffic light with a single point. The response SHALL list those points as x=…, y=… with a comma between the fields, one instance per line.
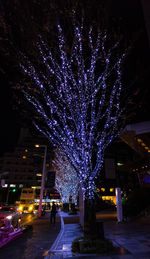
x=13, y=190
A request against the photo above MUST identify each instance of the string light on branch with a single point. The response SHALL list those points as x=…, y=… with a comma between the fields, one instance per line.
x=78, y=98
x=67, y=182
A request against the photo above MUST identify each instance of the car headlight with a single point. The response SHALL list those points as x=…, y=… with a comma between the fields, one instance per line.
x=20, y=208
x=30, y=208
x=9, y=217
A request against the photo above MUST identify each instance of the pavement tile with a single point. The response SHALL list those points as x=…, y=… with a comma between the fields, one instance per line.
x=131, y=240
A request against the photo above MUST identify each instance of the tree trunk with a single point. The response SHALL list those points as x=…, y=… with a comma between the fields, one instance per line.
x=90, y=229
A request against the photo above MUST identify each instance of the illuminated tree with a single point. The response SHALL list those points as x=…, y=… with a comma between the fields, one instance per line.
x=66, y=178
x=61, y=186
x=76, y=93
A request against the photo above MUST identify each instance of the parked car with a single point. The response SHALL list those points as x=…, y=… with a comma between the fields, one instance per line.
x=10, y=224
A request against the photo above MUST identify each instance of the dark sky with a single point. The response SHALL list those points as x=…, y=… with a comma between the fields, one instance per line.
x=9, y=126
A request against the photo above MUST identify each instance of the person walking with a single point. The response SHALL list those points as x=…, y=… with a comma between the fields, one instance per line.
x=53, y=214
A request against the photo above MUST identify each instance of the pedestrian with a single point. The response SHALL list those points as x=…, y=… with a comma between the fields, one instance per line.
x=49, y=206
x=57, y=206
x=53, y=214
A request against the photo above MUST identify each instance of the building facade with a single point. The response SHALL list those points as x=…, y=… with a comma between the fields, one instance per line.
x=23, y=166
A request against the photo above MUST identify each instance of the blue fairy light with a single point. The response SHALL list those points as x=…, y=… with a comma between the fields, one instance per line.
x=80, y=101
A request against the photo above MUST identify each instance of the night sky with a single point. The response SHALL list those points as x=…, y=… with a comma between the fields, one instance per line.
x=11, y=120
x=10, y=126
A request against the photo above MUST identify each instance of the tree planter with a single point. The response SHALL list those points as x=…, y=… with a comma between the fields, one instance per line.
x=86, y=245
x=92, y=229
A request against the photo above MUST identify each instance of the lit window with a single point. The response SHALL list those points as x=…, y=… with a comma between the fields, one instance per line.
x=139, y=140
x=38, y=175
x=103, y=189
x=37, y=145
x=143, y=144
x=24, y=157
x=98, y=190
x=111, y=189
x=5, y=185
x=119, y=164
x=148, y=151
x=12, y=185
x=146, y=148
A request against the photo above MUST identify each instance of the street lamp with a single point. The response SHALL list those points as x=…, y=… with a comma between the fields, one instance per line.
x=43, y=179
x=5, y=173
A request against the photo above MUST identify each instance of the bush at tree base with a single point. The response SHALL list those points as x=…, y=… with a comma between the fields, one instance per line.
x=84, y=245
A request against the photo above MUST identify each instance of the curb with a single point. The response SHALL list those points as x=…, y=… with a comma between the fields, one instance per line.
x=55, y=244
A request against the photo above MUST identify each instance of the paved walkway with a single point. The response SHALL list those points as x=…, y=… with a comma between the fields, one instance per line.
x=132, y=240
x=133, y=237
x=61, y=248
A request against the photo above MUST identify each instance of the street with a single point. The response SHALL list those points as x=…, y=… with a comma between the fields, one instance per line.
x=27, y=219
x=33, y=242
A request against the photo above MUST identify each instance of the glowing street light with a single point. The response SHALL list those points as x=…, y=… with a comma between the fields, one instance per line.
x=43, y=178
x=37, y=145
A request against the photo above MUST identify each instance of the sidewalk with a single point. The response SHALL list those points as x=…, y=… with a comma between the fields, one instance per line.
x=61, y=248
x=132, y=240
x=133, y=237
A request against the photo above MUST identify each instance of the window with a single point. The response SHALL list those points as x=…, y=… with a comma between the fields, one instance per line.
x=24, y=191
x=12, y=185
x=30, y=178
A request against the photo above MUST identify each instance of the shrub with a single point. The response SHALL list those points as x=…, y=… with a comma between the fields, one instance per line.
x=75, y=245
x=84, y=246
